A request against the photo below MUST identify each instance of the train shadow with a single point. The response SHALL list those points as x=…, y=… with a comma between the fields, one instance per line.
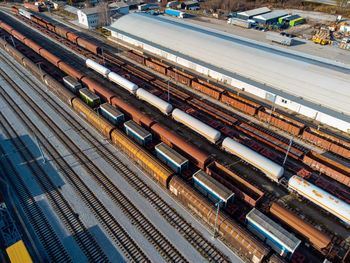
x=22, y=166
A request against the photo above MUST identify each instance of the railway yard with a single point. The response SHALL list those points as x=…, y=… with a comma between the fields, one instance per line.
x=101, y=148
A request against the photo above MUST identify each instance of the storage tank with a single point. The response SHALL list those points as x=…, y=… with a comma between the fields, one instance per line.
x=97, y=67
x=268, y=167
x=126, y=84
x=208, y=132
x=321, y=198
x=162, y=105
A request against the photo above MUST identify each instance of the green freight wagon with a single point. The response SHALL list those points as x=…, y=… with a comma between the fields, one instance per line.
x=298, y=21
x=89, y=98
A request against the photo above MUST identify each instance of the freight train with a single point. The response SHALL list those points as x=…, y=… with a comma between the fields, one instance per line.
x=269, y=168
x=324, y=165
x=228, y=229
x=197, y=157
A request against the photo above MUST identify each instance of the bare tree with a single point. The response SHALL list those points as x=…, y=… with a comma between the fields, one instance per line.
x=104, y=16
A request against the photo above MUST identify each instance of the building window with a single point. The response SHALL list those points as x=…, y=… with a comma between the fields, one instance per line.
x=284, y=101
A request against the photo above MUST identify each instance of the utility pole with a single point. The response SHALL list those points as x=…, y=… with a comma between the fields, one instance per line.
x=216, y=218
x=168, y=92
x=290, y=144
x=272, y=109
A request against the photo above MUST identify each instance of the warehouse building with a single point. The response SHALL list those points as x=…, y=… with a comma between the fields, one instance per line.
x=270, y=18
x=251, y=13
x=302, y=83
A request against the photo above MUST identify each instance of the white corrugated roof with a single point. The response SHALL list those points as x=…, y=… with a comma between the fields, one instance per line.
x=314, y=81
x=254, y=12
x=273, y=14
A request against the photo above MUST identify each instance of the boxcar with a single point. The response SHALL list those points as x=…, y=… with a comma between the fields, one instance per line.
x=89, y=98
x=112, y=114
x=171, y=158
x=137, y=133
x=281, y=241
x=151, y=165
x=73, y=85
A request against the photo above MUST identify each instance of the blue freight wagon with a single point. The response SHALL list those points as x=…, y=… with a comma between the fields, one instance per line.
x=112, y=114
x=279, y=239
x=171, y=158
x=137, y=133
x=212, y=189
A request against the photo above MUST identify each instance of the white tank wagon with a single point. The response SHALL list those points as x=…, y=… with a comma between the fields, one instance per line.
x=162, y=105
x=126, y=84
x=268, y=167
x=25, y=13
x=97, y=67
x=320, y=197
x=208, y=132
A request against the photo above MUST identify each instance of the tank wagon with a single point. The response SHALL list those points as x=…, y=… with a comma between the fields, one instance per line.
x=124, y=83
x=97, y=67
x=147, y=162
x=321, y=198
x=208, y=132
x=318, y=239
x=163, y=106
x=281, y=241
x=335, y=145
x=171, y=158
x=269, y=168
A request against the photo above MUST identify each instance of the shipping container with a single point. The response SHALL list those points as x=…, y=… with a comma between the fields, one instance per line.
x=89, y=98
x=212, y=189
x=72, y=84
x=115, y=116
x=171, y=158
x=137, y=133
x=279, y=239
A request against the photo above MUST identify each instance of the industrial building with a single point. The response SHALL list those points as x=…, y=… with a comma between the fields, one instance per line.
x=89, y=17
x=309, y=85
x=251, y=13
x=270, y=18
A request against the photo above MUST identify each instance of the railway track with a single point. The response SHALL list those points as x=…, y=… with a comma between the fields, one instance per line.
x=47, y=236
x=83, y=237
x=207, y=249
x=160, y=242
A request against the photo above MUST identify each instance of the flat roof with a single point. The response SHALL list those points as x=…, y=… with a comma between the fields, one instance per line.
x=318, y=83
x=111, y=110
x=214, y=186
x=254, y=12
x=171, y=153
x=271, y=15
x=131, y=125
x=89, y=94
x=274, y=230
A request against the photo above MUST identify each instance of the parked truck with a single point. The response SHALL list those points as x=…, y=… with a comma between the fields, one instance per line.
x=275, y=37
x=240, y=22
x=174, y=12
